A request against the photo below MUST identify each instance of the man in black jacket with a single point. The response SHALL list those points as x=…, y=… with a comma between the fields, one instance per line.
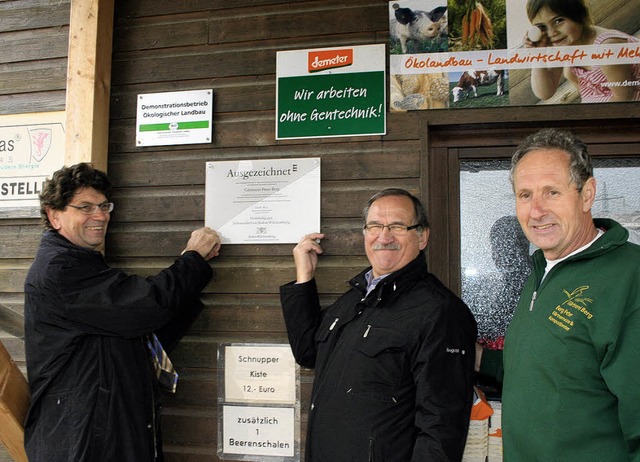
x=89, y=329
x=393, y=356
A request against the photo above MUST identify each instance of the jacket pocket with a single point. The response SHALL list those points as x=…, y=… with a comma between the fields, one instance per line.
x=53, y=433
x=379, y=364
x=325, y=329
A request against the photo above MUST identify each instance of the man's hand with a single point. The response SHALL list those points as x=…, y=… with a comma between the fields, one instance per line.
x=305, y=256
x=205, y=241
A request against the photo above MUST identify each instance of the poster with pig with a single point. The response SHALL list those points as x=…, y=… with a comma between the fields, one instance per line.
x=470, y=53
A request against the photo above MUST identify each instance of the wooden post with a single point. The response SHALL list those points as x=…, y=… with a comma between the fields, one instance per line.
x=89, y=82
x=14, y=403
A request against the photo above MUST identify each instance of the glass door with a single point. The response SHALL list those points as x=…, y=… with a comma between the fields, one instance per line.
x=494, y=253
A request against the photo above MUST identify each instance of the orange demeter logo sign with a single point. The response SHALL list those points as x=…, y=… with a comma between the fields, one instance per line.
x=329, y=59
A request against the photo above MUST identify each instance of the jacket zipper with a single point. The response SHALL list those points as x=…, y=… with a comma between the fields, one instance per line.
x=153, y=413
x=330, y=363
x=533, y=299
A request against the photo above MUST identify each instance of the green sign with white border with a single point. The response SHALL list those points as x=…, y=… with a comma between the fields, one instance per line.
x=331, y=92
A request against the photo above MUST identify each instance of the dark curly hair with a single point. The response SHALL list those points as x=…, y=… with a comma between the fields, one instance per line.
x=575, y=10
x=60, y=188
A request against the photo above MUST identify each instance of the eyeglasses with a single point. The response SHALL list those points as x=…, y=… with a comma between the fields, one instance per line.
x=90, y=209
x=376, y=229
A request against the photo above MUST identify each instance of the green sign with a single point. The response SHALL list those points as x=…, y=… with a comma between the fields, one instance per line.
x=331, y=105
x=331, y=92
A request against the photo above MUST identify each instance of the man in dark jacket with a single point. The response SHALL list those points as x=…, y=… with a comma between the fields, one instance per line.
x=393, y=356
x=88, y=328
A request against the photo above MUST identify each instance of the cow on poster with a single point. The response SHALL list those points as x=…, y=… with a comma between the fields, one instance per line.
x=591, y=56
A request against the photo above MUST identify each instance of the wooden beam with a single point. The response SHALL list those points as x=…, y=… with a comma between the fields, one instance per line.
x=14, y=403
x=89, y=82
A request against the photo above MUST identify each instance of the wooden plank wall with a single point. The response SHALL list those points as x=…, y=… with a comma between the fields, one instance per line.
x=34, y=37
x=166, y=46
x=230, y=47
x=33, y=49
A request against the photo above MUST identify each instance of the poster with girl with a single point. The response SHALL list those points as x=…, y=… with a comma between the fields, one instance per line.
x=480, y=53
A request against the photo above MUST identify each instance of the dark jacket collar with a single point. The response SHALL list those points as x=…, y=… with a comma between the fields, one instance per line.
x=395, y=283
x=53, y=238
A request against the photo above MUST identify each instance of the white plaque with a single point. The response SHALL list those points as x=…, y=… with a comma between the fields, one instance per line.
x=260, y=431
x=31, y=149
x=178, y=117
x=265, y=374
x=263, y=201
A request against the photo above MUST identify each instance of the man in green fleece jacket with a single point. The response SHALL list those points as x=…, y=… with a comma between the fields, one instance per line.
x=572, y=351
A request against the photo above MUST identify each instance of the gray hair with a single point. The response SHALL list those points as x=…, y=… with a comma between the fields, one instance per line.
x=580, y=168
x=419, y=210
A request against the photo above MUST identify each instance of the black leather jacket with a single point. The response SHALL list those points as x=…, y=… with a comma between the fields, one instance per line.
x=393, y=370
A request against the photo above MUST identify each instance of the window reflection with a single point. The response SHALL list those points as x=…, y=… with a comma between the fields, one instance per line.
x=495, y=256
